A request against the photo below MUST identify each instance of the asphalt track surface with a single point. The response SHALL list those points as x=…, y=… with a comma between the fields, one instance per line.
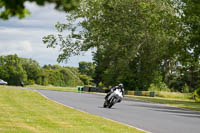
x=151, y=117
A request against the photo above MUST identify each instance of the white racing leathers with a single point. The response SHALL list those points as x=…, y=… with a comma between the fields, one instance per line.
x=114, y=98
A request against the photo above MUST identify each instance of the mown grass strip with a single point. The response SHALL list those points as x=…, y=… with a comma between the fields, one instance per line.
x=26, y=111
x=55, y=88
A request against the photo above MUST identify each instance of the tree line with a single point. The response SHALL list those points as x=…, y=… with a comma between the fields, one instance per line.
x=145, y=44
x=142, y=43
x=14, y=70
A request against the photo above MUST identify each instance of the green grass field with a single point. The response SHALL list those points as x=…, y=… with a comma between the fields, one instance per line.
x=56, y=88
x=174, y=95
x=26, y=111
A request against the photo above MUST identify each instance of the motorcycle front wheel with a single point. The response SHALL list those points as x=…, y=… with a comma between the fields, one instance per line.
x=112, y=102
x=105, y=105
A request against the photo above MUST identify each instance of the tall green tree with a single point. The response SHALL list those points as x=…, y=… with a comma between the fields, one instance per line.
x=86, y=68
x=185, y=66
x=11, y=70
x=33, y=70
x=192, y=20
x=60, y=76
x=132, y=38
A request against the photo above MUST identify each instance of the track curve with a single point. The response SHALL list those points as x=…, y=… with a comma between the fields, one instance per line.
x=155, y=118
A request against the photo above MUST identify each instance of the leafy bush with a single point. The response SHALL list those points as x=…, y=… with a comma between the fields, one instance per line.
x=163, y=91
x=196, y=95
x=100, y=85
x=153, y=87
x=159, y=87
x=164, y=87
x=85, y=79
x=186, y=89
x=158, y=84
x=31, y=82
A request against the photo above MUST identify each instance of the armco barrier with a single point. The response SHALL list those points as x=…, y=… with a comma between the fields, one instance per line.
x=136, y=93
x=94, y=89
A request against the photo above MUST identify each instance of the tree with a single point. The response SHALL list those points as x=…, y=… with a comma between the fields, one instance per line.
x=86, y=79
x=12, y=70
x=60, y=76
x=185, y=66
x=86, y=68
x=33, y=70
x=132, y=38
x=10, y=8
x=191, y=52
x=192, y=20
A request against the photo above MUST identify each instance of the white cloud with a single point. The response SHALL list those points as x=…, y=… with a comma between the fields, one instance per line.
x=24, y=37
x=9, y=31
x=24, y=33
x=33, y=47
x=22, y=48
x=25, y=46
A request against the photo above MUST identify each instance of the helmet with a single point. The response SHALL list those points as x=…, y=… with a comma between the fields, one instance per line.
x=121, y=85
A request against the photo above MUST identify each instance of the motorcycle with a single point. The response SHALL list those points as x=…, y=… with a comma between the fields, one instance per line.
x=114, y=98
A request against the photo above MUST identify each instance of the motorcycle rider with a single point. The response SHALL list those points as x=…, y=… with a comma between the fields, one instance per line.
x=120, y=86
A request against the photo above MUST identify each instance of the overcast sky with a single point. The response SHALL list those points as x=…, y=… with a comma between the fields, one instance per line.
x=24, y=37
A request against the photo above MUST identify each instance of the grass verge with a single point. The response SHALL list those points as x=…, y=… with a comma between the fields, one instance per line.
x=71, y=89
x=188, y=104
x=26, y=111
x=174, y=95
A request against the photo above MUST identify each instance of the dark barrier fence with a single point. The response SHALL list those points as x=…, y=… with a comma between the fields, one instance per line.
x=136, y=93
x=94, y=89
